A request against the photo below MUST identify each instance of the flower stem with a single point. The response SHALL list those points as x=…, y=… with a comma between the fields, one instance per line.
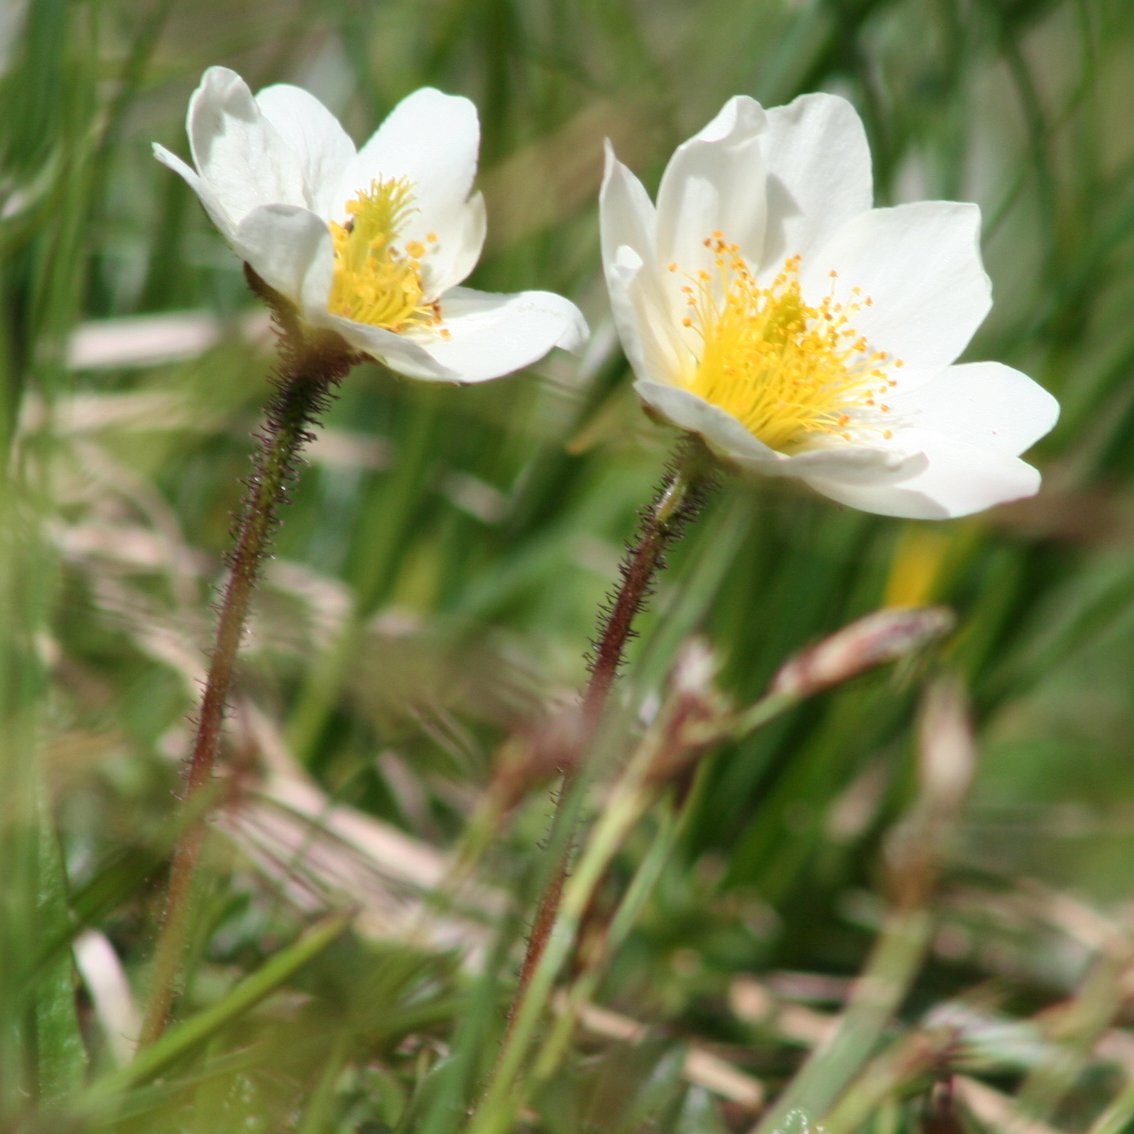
x=678, y=500
x=309, y=368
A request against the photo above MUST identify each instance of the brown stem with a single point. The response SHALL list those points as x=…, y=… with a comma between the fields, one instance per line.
x=310, y=367
x=680, y=497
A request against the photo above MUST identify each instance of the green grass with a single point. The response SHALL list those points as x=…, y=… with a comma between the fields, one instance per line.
x=434, y=592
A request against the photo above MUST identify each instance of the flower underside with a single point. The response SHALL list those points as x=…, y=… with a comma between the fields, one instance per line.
x=785, y=369
x=376, y=280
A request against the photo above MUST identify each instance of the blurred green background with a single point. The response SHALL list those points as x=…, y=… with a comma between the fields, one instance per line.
x=437, y=574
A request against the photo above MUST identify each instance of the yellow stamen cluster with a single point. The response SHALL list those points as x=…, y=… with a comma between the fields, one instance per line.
x=376, y=281
x=785, y=369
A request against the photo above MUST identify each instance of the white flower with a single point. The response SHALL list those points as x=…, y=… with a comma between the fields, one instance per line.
x=766, y=306
x=369, y=243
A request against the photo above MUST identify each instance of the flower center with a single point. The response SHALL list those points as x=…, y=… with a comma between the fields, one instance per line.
x=376, y=281
x=783, y=368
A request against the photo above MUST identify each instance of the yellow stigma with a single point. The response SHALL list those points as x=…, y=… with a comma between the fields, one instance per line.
x=375, y=280
x=785, y=369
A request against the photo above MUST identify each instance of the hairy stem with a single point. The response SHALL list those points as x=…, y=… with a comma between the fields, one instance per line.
x=310, y=367
x=678, y=500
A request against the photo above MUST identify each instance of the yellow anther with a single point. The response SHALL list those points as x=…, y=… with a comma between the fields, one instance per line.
x=375, y=281
x=785, y=368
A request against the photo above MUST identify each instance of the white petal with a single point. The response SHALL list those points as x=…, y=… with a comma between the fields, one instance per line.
x=920, y=265
x=626, y=213
x=290, y=250
x=856, y=464
x=237, y=151
x=644, y=311
x=491, y=335
x=715, y=181
x=819, y=174
x=958, y=479
x=982, y=403
x=645, y=323
x=692, y=413
x=451, y=257
x=429, y=137
x=399, y=352
x=727, y=437
x=203, y=189
x=319, y=144
x=432, y=139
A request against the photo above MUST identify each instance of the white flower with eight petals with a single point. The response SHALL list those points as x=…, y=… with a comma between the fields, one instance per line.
x=370, y=243
x=765, y=305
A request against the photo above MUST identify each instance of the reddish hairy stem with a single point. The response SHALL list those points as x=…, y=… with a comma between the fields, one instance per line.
x=678, y=500
x=309, y=369
x=659, y=527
